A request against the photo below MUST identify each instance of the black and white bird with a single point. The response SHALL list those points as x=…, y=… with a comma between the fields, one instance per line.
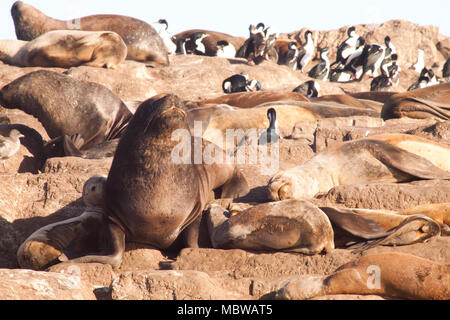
x=306, y=51
x=390, y=48
x=360, y=43
x=422, y=82
x=272, y=134
x=420, y=64
x=446, y=70
x=343, y=74
x=380, y=83
x=390, y=74
x=9, y=145
x=167, y=38
x=372, y=55
x=309, y=89
x=194, y=44
x=240, y=83
x=290, y=57
x=225, y=49
x=321, y=70
x=347, y=47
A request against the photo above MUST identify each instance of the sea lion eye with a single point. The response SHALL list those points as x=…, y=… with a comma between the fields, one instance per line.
x=93, y=188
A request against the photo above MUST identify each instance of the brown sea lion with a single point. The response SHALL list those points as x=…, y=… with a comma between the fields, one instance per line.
x=151, y=196
x=65, y=49
x=210, y=41
x=252, y=99
x=429, y=102
x=378, y=96
x=85, y=113
x=299, y=226
x=291, y=225
x=343, y=99
x=381, y=158
x=142, y=40
x=221, y=118
x=395, y=275
x=59, y=241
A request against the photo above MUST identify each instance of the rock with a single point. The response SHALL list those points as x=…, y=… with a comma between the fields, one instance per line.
x=32, y=285
x=169, y=285
x=444, y=47
x=74, y=165
x=141, y=257
x=239, y=264
x=390, y=196
x=439, y=132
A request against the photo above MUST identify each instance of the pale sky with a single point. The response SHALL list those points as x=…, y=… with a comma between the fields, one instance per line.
x=234, y=16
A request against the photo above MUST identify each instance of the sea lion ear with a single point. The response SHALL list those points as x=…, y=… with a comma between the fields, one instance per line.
x=236, y=187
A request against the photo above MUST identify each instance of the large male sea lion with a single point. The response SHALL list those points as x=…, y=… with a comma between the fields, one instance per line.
x=150, y=196
x=382, y=158
x=429, y=102
x=86, y=113
x=395, y=275
x=142, y=40
x=65, y=49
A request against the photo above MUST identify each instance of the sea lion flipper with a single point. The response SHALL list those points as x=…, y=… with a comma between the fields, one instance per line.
x=236, y=187
x=354, y=224
x=405, y=161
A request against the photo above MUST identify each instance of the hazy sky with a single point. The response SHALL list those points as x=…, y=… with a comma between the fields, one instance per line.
x=234, y=16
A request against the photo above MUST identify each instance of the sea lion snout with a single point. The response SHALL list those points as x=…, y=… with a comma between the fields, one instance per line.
x=280, y=189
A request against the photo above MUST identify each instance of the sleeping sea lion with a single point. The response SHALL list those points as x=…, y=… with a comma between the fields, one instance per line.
x=395, y=275
x=429, y=102
x=381, y=158
x=66, y=49
x=142, y=40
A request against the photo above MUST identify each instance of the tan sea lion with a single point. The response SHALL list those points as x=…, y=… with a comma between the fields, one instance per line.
x=381, y=158
x=66, y=49
x=142, y=40
x=378, y=96
x=151, y=196
x=85, y=113
x=343, y=99
x=58, y=241
x=429, y=102
x=395, y=275
x=210, y=41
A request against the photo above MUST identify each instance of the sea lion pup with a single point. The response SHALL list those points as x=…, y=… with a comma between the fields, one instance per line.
x=252, y=99
x=210, y=42
x=395, y=275
x=84, y=113
x=430, y=102
x=66, y=49
x=291, y=226
x=58, y=241
x=148, y=167
x=381, y=158
x=143, y=42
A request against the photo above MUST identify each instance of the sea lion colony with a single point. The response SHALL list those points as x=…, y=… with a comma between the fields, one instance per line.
x=150, y=197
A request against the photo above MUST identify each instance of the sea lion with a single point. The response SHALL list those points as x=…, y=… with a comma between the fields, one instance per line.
x=252, y=99
x=210, y=41
x=218, y=119
x=430, y=102
x=343, y=99
x=378, y=96
x=142, y=40
x=151, y=196
x=291, y=226
x=300, y=226
x=66, y=49
x=85, y=113
x=381, y=158
x=61, y=240
x=396, y=275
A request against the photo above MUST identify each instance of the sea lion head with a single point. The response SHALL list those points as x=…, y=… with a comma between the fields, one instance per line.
x=162, y=113
x=279, y=188
x=93, y=191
